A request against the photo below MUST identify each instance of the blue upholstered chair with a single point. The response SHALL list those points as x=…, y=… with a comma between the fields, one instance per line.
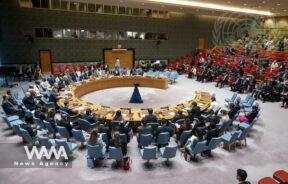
x=16, y=96
x=27, y=138
x=95, y=152
x=184, y=136
x=145, y=139
x=214, y=143
x=115, y=154
x=148, y=153
x=24, y=88
x=11, y=120
x=163, y=138
x=63, y=132
x=39, y=122
x=232, y=99
x=85, y=125
x=168, y=152
x=50, y=128
x=45, y=141
x=198, y=148
x=242, y=136
x=123, y=138
x=68, y=146
x=78, y=136
x=230, y=139
x=154, y=126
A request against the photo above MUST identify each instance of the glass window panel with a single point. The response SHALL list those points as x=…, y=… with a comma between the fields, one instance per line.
x=25, y=3
x=107, y=9
x=129, y=11
x=45, y=4
x=122, y=35
x=67, y=33
x=148, y=13
x=110, y=35
x=83, y=33
x=100, y=35
x=142, y=12
x=74, y=6
x=47, y=33
x=163, y=36
x=136, y=11
x=39, y=32
x=122, y=10
x=139, y=36
x=55, y=4
x=36, y=3
x=99, y=8
x=64, y=5
x=92, y=34
x=83, y=7
x=115, y=9
x=57, y=33
x=155, y=13
x=91, y=7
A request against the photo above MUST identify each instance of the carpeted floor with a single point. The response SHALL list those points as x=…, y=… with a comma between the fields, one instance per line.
x=266, y=152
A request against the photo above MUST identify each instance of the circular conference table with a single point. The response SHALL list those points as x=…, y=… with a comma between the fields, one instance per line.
x=75, y=91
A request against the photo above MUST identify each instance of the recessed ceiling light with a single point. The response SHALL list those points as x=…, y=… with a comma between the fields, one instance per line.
x=229, y=2
x=192, y=3
x=245, y=4
x=263, y=2
x=278, y=4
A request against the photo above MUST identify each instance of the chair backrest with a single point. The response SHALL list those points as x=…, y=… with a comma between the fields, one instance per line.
x=170, y=151
x=149, y=153
x=115, y=125
x=95, y=151
x=115, y=153
x=199, y=147
x=78, y=135
x=225, y=126
x=65, y=145
x=235, y=136
x=26, y=136
x=15, y=94
x=39, y=122
x=214, y=143
x=49, y=127
x=123, y=138
x=24, y=88
x=184, y=136
x=63, y=131
x=244, y=133
x=145, y=139
x=154, y=125
x=163, y=138
x=44, y=141
x=4, y=116
x=180, y=121
x=234, y=96
x=16, y=129
x=104, y=137
x=85, y=125
x=248, y=97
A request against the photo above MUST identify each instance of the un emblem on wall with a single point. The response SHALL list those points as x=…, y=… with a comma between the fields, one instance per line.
x=231, y=27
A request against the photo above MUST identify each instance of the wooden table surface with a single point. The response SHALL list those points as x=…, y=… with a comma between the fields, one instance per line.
x=75, y=91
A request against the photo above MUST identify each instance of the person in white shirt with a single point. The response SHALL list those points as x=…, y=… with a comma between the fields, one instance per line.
x=214, y=106
x=274, y=65
x=224, y=117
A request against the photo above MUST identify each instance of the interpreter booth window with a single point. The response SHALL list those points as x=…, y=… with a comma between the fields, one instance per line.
x=70, y=33
x=139, y=36
x=99, y=8
x=100, y=35
x=83, y=7
x=74, y=6
x=136, y=11
x=110, y=35
x=83, y=33
x=64, y=5
x=122, y=10
x=55, y=4
x=25, y=3
x=91, y=7
x=58, y=33
x=107, y=9
x=129, y=11
x=91, y=34
x=122, y=35
x=36, y=3
x=115, y=10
